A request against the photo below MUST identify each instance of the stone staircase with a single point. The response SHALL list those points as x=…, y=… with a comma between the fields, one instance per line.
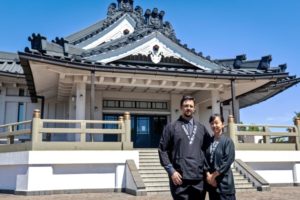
x=156, y=179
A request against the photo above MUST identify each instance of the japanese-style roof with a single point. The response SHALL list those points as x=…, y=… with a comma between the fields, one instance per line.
x=117, y=13
x=144, y=68
x=266, y=91
x=10, y=64
x=148, y=28
x=130, y=40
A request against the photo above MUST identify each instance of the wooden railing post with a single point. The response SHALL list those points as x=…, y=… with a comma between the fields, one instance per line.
x=232, y=129
x=83, y=132
x=36, y=137
x=11, y=138
x=297, y=124
x=266, y=138
x=127, y=144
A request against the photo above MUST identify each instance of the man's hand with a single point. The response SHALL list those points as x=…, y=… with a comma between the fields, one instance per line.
x=211, y=179
x=176, y=178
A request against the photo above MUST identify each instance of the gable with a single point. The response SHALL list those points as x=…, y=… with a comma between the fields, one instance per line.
x=124, y=26
x=156, y=46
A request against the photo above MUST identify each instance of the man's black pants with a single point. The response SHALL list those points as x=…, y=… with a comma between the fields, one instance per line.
x=188, y=190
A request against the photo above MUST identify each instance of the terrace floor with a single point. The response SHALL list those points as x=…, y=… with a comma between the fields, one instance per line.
x=276, y=193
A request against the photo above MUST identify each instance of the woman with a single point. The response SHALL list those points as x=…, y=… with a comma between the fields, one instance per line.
x=219, y=157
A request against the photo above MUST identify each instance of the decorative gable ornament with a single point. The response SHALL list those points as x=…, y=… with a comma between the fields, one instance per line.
x=156, y=54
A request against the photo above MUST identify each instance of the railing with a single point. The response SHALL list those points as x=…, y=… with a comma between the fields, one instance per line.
x=10, y=132
x=259, y=182
x=264, y=137
x=80, y=130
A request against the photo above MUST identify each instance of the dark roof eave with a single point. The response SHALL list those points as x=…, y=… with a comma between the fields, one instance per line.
x=274, y=94
x=29, y=79
x=14, y=75
x=108, y=68
x=282, y=85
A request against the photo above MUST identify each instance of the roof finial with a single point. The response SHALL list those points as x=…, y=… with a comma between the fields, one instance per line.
x=125, y=5
x=112, y=8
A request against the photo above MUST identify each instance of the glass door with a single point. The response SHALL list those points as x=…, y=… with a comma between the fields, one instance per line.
x=142, y=136
x=158, y=125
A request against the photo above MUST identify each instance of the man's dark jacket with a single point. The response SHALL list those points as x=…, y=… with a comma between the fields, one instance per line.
x=175, y=149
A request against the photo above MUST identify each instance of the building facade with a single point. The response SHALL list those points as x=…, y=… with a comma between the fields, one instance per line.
x=130, y=61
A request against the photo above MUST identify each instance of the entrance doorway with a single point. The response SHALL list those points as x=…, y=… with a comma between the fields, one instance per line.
x=146, y=130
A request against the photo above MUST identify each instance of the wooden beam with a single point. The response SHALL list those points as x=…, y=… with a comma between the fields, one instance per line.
x=162, y=83
x=148, y=81
x=117, y=80
x=62, y=76
x=219, y=86
x=101, y=79
x=192, y=84
x=177, y=84
x=205, y=85
x=133, y=80
x=84, y=78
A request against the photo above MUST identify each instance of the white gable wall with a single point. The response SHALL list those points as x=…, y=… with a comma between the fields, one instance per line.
x=115, y=33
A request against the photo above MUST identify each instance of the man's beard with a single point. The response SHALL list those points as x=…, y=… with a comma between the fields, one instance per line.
x=188, y=114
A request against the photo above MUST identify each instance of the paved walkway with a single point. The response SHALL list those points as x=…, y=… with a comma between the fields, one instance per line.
x=280, y=193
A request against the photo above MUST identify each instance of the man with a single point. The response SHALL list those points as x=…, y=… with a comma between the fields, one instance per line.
x=181, y=153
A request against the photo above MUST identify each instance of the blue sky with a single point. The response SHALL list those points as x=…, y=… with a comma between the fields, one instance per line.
x=221, y=29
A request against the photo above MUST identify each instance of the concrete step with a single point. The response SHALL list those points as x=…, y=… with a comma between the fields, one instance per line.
x=154, y=175
x=246, y=190
x=157, y=184
x=149, y=164
x=149, y=167
x=149, y=161
x=240, y=181
x=244, y=186
x=149, y=157
x=148, y=150
x=151, y=171
x=236, y=173
x=148, y=153
x=158, y=189
x=237, y=177
x=155, y=179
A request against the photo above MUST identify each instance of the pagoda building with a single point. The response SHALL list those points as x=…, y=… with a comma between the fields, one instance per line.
x=130, y=61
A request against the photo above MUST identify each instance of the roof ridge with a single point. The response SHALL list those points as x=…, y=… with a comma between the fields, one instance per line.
x=148, y=19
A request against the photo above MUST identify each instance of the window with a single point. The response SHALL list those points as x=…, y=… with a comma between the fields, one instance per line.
x=135, y=104
x=21, y=92
x=20, y=114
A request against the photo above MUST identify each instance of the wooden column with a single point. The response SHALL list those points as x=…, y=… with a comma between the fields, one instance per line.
x=297, y=124
x=36, y=137
x=122, y=137
x=215, y=102
x=234, y=105
x=92, y=103
x=232, y=129
x=127, y=144
x=92, y=108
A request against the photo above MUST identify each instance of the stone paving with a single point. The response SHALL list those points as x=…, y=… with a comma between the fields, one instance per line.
x=276, y=193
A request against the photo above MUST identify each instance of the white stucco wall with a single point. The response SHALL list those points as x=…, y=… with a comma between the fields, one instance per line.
x=64, y=170
x=276, y=167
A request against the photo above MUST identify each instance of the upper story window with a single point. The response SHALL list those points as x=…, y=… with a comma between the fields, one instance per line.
x=21, y=92
x=122, y=104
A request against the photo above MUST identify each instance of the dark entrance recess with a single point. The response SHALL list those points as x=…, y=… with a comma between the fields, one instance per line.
x=146, y=130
